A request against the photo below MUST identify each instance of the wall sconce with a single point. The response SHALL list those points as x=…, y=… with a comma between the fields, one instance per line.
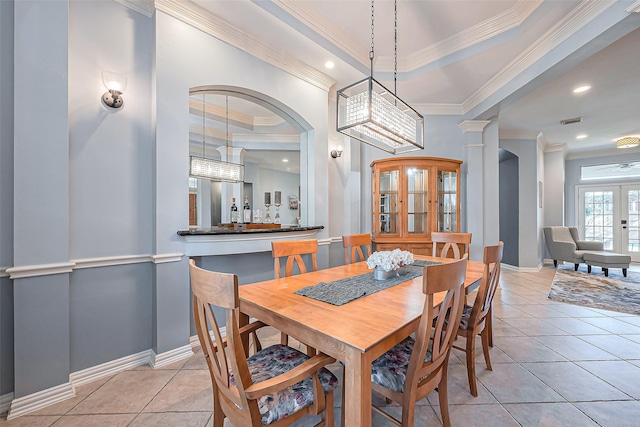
x=115, y=84
x=336, y=152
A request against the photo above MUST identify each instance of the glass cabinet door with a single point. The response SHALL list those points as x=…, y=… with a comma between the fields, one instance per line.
x=388, y=208
x=447, y=208
x=417, y=200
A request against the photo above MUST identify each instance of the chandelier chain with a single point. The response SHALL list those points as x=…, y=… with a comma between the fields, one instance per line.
x=395, y=46
x=371, y=52
x=204, y=133
x=226, y=113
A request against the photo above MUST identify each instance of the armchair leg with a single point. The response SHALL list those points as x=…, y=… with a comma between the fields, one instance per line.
x=555, y=263
x=588, y=268
x=576, y=266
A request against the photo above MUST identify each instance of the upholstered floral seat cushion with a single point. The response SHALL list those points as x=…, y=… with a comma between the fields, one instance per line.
x=273, y=361
x=390, y=369
x=466, y=313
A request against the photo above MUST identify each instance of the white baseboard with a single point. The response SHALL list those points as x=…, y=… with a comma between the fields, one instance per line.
x=521, y=269
x=169, y=357
x=194, y=341
x=94, y=373
x=5, y=402
x=39, y=400
x=36, y=401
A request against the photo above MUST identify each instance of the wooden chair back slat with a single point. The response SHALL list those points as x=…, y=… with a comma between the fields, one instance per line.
x=293, y=251
x=450, y=243
x=353, y=247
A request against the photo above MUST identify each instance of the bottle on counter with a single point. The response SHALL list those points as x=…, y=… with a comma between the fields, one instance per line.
x=234, y=212
x=246, y=210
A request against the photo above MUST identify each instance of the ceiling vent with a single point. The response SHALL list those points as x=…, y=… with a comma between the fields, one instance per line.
x=571, y=121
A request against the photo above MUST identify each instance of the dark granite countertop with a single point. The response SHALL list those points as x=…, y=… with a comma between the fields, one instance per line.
x=214, y=231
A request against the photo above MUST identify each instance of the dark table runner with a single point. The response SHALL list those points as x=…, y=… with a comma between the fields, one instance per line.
x=342, y=291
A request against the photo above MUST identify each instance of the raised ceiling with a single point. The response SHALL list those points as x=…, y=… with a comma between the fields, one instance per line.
x=515, y=59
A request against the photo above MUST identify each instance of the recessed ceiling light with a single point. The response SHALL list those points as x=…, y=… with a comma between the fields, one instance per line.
x=581, y=136
x=581, y=89
x=285, y=160
x=329, y=64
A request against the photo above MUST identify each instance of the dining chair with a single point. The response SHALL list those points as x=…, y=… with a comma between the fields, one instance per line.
x=293, y=250
x=353, y=247
x=476, y=319
x=415, y=367
x=277, y=385
x=450, y=243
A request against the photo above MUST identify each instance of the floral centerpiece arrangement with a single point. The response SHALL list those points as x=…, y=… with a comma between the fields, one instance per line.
x=390, y=260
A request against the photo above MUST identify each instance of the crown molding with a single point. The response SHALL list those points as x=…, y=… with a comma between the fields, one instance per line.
x=593, y=153
x=553, y=148
x=320, y=24
x=269, y=138
x=505, y=21
x=439, y=109
x=220, y=111
x=473, y=125
x=268, y=121
x=203, y=20
x=584, y=13
x=145, y=7
x=634, y=8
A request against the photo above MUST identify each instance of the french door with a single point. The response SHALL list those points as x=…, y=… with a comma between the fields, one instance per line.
x=611, y=215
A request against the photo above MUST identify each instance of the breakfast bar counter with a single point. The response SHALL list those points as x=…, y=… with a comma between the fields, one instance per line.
x=228, y=241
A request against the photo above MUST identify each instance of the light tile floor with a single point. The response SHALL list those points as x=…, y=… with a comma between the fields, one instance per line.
x=554, y=364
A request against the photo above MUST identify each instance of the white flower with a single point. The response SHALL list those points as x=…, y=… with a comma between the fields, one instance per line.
x=390, y=260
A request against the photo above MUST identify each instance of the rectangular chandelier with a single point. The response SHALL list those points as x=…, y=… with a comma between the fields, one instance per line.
x=215, y=170
x=371, y=113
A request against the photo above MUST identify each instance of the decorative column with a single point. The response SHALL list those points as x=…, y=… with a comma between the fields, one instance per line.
x=474, y=148
x=41, y=205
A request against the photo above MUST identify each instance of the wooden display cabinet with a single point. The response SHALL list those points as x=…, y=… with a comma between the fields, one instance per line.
x=413, y=196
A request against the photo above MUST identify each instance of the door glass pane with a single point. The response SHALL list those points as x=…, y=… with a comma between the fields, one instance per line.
x=598, y=217
x=417, y=206
x=447, y=209
x=388, y=209
x=633, y=220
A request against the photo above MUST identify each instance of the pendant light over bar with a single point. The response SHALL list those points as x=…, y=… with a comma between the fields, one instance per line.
x=369, y=112
x=215, y=170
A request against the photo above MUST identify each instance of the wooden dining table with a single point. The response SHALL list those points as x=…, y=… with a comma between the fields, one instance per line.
x=355, y=333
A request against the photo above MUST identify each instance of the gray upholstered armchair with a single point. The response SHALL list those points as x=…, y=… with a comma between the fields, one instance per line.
x=565, y=245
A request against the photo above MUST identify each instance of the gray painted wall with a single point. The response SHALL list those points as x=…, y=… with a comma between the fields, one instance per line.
x=509, y=216
x=554, y=202
x=528, y=210
x=110, y=313
x=112, y=150
x=6, y=196
x=41, y=195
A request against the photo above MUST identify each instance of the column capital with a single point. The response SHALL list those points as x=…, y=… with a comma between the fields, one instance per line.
x=473, y=125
